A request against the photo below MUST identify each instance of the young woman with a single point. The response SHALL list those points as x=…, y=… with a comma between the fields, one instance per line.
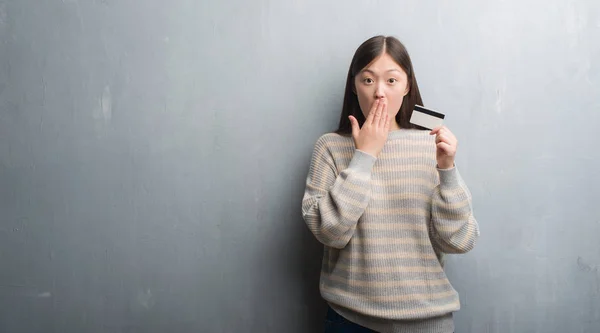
x=387, y=201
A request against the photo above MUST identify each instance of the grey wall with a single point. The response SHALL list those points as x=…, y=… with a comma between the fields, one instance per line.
x=153, y=156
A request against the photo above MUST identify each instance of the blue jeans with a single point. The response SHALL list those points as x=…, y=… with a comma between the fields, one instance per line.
x=334, y=323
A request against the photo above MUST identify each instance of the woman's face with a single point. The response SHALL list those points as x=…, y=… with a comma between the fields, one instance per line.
x=382, y=78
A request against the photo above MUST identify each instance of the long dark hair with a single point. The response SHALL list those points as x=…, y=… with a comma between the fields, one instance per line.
x=364, y=55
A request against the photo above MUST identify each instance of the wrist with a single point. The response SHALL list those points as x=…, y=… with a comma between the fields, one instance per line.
x=367, y=152
x=445, y=165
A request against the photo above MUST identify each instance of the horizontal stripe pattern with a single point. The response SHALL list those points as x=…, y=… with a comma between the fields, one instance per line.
x=384, y=222
x=389, y=297
x=385, y=277
x=443, y=283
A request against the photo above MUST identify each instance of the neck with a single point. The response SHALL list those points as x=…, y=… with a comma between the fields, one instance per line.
x=394, y=126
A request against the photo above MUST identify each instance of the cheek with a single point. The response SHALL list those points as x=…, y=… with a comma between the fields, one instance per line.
x=364, y=101
x=395, y=101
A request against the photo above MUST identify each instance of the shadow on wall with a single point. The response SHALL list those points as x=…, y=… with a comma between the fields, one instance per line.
x=309, y=258
x=289, y=281
x=309, y=262
x=304, y=258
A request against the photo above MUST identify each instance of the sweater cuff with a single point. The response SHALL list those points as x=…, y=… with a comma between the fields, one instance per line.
x=449, y=177
x=362, y=162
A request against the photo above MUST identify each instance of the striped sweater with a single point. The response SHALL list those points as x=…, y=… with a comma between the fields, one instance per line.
x=385, y=223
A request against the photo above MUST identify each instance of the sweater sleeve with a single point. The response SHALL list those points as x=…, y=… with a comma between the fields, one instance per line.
x=332, y=202
x=453, y=227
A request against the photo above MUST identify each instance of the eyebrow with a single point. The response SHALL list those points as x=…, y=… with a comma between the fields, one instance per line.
x=389, y=70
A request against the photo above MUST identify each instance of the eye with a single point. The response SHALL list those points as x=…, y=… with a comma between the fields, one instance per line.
x=368, y=80
x=392, y=80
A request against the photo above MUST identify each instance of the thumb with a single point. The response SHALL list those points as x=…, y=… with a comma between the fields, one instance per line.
x=355, y=128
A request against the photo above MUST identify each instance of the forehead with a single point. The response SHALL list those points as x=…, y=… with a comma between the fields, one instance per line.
x=383, y=63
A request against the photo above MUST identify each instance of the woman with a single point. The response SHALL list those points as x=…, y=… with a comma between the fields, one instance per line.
x=387, y=201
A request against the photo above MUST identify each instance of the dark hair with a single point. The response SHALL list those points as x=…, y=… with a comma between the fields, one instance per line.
x=364, y=55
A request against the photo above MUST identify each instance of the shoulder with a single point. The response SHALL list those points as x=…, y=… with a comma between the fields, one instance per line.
x=333, y=148
x=329, y=141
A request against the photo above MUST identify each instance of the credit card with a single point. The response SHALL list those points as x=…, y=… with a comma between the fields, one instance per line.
x=427, y=118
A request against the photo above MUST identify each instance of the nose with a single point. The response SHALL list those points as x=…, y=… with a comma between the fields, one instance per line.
x=379, y=93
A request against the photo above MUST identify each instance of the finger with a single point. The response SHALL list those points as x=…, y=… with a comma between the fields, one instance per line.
x=435, y=130
x=446, y=148
x=377, y=117
x=447, y=133
x=382, y=120
x=384, y=115
x=355, y=128
x=444, y=138
x=387, y=121
x=372, y=112
x=440, y=138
